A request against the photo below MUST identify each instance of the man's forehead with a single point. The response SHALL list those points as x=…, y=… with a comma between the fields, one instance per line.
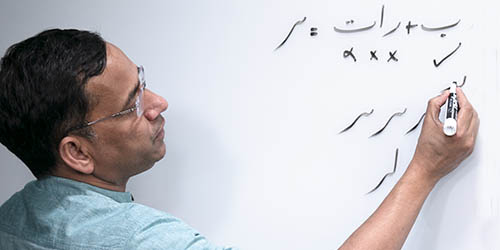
x=113, y=86
x=115, y=56
x=119, y=70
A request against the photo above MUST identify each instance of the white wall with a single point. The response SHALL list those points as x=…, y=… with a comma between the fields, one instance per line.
x=253, y=155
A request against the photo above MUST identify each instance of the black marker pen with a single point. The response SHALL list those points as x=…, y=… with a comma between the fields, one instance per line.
x=450, y=122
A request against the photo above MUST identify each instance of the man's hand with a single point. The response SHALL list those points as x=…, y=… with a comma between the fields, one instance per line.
x=437, y=154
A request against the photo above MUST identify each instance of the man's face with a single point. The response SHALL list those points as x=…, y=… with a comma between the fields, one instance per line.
x=125, y=145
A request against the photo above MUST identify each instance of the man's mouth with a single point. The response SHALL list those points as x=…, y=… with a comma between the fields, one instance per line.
x=159, y=132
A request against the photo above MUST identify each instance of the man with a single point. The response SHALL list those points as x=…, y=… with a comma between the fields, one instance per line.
x=77, y=112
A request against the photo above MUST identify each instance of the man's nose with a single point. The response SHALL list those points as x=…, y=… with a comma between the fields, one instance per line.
x=154, y=105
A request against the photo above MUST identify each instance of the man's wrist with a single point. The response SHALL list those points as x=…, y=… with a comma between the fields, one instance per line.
x=418, y=173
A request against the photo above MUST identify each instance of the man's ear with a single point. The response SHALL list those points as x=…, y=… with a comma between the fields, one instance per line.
x=75, y=154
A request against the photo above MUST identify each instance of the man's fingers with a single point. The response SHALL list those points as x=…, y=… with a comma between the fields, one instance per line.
x=470, y=134
x=466, y=112
x=474, y=123
x=434, y=106
x=461, y=97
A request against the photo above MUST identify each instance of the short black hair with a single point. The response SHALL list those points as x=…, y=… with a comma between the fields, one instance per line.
x=42, y=93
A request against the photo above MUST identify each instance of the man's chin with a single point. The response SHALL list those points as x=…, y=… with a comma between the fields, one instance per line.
x=160, y=152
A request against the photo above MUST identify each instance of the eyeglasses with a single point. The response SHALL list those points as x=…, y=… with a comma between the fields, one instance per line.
x=138, y=106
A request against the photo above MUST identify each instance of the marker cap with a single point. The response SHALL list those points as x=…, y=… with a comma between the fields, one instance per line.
x=453, y=88
x=450, y=127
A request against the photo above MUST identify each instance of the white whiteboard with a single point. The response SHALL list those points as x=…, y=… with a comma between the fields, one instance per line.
x=254, y=158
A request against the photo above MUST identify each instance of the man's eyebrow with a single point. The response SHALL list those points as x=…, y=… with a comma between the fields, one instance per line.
x=132, y=94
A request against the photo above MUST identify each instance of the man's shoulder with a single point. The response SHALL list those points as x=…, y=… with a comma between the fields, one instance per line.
x=142, y=215
x=81, y=218
x=92, y=221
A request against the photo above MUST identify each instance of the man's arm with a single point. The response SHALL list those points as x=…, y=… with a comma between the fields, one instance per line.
x=436, y=155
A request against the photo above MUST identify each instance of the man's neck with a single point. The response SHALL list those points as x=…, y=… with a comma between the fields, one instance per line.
x=90, y=179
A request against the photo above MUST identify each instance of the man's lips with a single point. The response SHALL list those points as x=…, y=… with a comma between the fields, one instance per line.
x=160, y=132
